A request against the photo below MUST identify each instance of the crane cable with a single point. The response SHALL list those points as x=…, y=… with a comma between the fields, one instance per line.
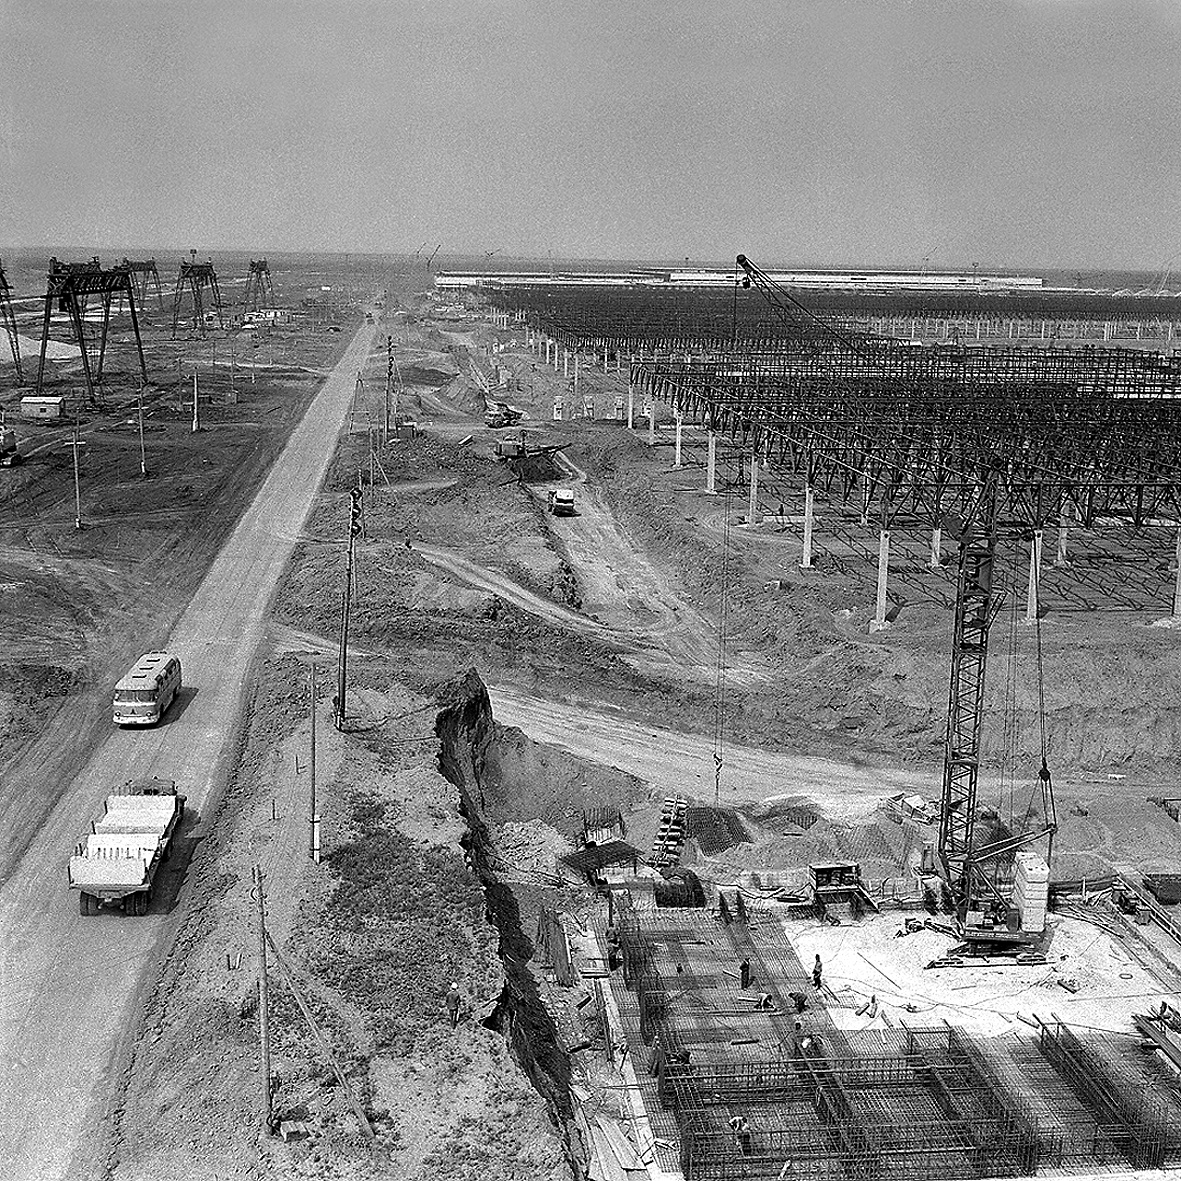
x=1044, y=771
x=720, y=678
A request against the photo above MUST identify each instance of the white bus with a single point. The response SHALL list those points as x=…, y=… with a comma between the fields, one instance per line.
x=143, y=695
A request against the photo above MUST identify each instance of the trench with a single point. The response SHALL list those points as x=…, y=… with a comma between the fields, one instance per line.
x=464, y=727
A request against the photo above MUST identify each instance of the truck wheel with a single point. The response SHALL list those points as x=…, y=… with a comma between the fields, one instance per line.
x=144, y=900
x=83, y=902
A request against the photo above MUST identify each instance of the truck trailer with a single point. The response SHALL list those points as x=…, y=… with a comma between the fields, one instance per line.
x=117, y=862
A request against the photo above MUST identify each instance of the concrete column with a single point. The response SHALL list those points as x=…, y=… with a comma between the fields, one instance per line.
x=555, y=356
x=1177, y=588
x=711, y=464
x=936, y=560
x=631, y=405
x=557, y=411
x=604, y=358
x=879, y=617
x=565, y=362
x=809, y=500
x=652, y=422
x=753, y=507
x=576, y=372
x=677, y=447
x=1060, y=557
x=1035, y=569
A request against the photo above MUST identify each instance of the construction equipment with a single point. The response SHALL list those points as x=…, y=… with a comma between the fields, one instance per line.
x=260, y=291
x=69, y=285
x=8, y=321
x=982, y=904
x=501, y=414
x=970, y=866
x=10, y=455
x=197, y=278
x=118, y=861
x=560, y=502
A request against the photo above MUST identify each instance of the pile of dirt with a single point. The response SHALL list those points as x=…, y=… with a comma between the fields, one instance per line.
x=529, y=847
x=525, y=780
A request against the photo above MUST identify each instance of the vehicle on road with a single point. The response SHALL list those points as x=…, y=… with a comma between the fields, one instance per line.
x=117, y=862
x=10, y=454
x=561, y=502
x=148, y=689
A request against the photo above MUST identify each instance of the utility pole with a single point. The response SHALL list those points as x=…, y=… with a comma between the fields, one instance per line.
x=389, y=382
x=346, y=606
x=196, y=423
x=264, y=1015
x=143, y=462
x=77, y=485
x=314, y=819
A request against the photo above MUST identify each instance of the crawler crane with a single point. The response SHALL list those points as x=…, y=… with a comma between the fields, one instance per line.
x=985, y=916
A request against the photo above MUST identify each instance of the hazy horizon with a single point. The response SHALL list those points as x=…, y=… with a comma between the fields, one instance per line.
x=1017, y=135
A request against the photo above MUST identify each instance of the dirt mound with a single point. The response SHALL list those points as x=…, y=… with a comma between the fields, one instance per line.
x=526, y=780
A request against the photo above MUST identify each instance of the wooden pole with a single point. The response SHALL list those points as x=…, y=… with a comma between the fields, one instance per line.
x=313, y=827
x=77, y=483
x=264, y=1015
x=143, y=462
x=325, y=1049
x=342, y=664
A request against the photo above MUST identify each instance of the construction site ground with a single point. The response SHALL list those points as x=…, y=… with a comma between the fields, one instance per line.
x=445, y=818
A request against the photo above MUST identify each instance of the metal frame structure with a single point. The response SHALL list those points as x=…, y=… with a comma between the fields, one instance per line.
x=196, y=277
x=260, y=292
x=145, y=272
x=8, y=319
x=70, y=286
x=902, y=1105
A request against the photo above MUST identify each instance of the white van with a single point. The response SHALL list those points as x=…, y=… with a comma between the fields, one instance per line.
x=142, y=696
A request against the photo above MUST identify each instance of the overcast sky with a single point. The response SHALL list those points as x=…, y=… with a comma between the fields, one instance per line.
x=1003, y=132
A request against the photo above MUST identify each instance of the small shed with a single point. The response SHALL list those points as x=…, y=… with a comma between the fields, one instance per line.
x=38, y=406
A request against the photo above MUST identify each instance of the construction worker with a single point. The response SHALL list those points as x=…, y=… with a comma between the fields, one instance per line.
x=742, y=1134
x=744, y=974
x=817, y=972
x=452, y=1001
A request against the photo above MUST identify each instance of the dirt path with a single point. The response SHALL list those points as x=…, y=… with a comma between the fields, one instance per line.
x=622, y=587
x=675, y=762
x=68, y=985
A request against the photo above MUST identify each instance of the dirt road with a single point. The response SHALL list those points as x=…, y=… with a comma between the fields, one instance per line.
x=675, y=762
x=621, y=586
x=68, y=985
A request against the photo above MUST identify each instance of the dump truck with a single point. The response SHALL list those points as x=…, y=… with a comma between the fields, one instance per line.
x=117, y=862
x=561, y=502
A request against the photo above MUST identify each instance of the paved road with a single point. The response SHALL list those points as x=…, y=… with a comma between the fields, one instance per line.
x=68, y=985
